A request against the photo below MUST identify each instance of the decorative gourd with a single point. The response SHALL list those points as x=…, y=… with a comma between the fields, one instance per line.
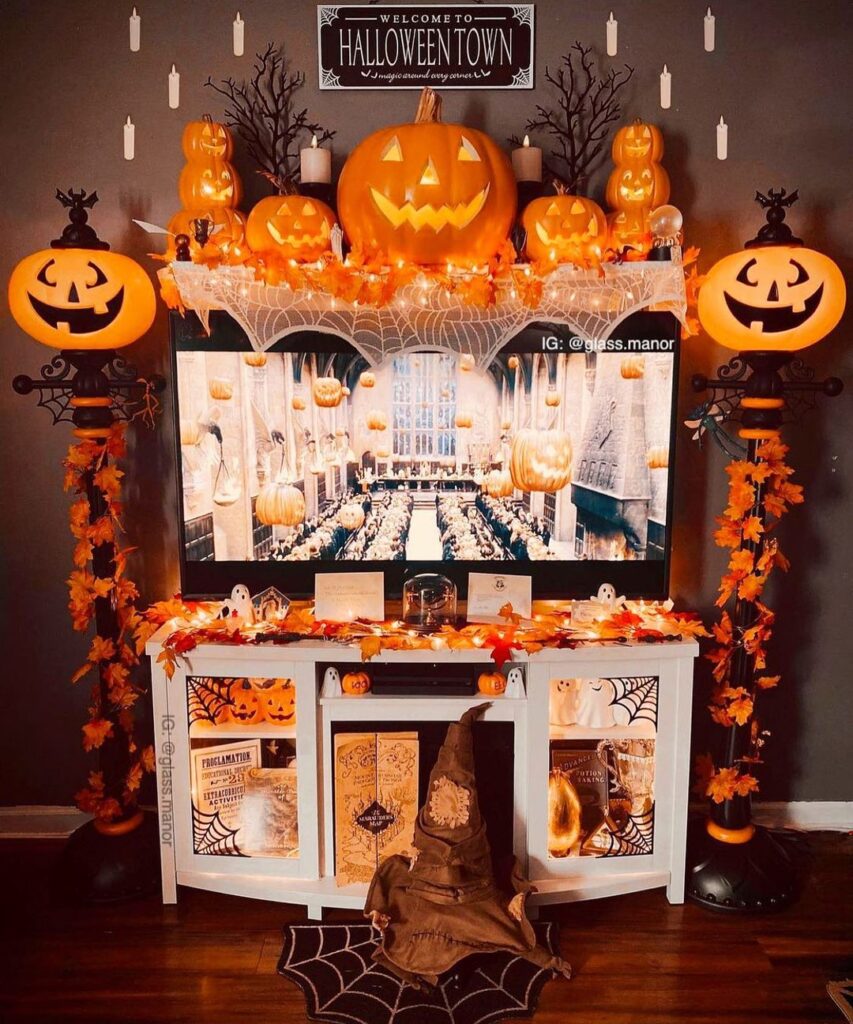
x=220, y=388
x=498, y=483
x=255, y=359
x=657, y=457
x=297, y=404
x=355, y=683
x=190, y=432
x=377, y=420
x=552, y=399
x=541, y=460
x=367, y=379
x=246, y=707
x=294, y=226
x=280, y=505
x=564, y=815
x=351, y=517
x=638, y=182
x=278, y=702
x=428, y=192
x=327, y=392
x=492, y=684
x=565, y=229
x=464, y=420
x=633, y=367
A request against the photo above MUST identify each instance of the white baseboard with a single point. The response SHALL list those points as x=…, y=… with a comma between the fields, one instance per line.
x=40, y=822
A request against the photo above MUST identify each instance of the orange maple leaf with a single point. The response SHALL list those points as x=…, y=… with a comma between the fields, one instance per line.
x=750, y=588
x=742, y=562
x=95, y=732
x=752, y=529
x=102, y=649
x=767, y=682
x=741, y=499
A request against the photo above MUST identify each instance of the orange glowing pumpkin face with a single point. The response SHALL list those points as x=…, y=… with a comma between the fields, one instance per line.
x=295, y=227
x=246, y=707
x=213, y=184
x=206, y=138
x=428, y=192
x=81, y=298
x=278, y=700
x=638, y=185
x=637, y=142
x=564, y=229
x=774, y=298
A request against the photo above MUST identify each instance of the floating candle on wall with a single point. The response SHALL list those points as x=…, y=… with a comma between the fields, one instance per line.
x=722, y=140
x=527, y=161
x=709, y=31
x=612, y=35
x=129, y=139
x=665, y=88
x=174, y=89
x=135, y=31
x=239, y=35
x=315, y=163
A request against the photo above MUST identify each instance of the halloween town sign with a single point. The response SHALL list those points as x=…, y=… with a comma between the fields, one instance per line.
x=449, y=46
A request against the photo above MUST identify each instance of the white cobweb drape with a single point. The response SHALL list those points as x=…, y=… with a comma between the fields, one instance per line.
x=426, y=316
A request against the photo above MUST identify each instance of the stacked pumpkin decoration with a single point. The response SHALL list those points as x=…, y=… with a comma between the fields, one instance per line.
x=541, y=460
x=637, y=184
x=292, y=226
x=209, y=189
x=427, y=192
x=565, y=229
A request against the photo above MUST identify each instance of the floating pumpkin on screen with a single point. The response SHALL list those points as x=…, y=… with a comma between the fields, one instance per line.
x=190, y=432
x=464, y=420
x=221, y=388
x=657, y=457
x=355, y=683
x=327, y=392
x=280, y=505
x=367, y=379
x=383, y=452
x=541, y=460
x=294, y=226
x=255, y=359
x=297, y=404
x=246, y=707
x=278, y=701
x=377, y=420
x=772, y=297
x=428, y=192
x=632, y=367
x=351, y=517
x=552, y=398
x=493, y=684
x=498, y=483
x=565, y=229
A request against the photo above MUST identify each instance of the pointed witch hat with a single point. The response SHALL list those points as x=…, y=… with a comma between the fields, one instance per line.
x=444, y=904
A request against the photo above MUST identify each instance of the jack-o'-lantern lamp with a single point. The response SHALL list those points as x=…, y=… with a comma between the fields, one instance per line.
x=294, y=226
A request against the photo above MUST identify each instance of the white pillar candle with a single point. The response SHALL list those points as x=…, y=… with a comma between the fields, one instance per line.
x=709, y=31
x=722, y=140
x=527, y=161
x=665, y=88
x=239, y=35
x=129, y=139
x=612, y=35
x=174, y=89
x=315, y=163
x=135, y=31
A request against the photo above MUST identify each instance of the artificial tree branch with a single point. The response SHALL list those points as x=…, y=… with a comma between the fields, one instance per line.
x=262, y=112
x=587, y=106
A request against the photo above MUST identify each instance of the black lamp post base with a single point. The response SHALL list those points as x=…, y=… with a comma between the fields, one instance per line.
x=98, y=868
x=756, y=877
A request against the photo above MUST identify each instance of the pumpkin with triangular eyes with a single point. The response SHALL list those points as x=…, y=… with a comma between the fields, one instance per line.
x=278, y=700
x=206, y=138
x=564, y=229
x=246, y=706
x=209, y=182
x=294, y=226
x=637, y=142
x=772, y=298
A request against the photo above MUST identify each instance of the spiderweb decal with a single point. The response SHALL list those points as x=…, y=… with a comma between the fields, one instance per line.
x=332, y=966
x=638, y=695
x=211, y=837
x=207, y=698
x=589, y=304
x=636, y=836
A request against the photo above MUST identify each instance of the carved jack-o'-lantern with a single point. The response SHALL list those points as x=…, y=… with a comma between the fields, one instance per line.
x=541, y=460
x=327, y=392
x=498, y=483
x=255, y=359
x=493, y=684
x=355, y=683
x=637, y=143
x=246, y=707
x=205, y=139
x=428, y=192
x=628, y=228
x=278, y=701
x=280, y=505
x=213, y=182
x=351, y=517
x=565, y=229
x=295, y=227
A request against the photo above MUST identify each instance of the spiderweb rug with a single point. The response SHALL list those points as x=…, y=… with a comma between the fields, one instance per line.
x=332, y=965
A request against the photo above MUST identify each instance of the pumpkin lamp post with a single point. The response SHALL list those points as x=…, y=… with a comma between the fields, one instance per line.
x=767, y=301
x=86, y=302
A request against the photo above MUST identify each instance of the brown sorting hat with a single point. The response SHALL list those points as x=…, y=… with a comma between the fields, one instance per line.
x=443, y=904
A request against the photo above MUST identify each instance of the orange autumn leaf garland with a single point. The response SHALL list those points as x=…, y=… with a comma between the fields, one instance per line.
x=748, y=570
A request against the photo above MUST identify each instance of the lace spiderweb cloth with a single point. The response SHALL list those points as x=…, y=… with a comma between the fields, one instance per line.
x=589, y=304
x=332, y=965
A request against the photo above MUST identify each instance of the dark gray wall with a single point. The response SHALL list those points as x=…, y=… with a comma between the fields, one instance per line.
x=779, y=76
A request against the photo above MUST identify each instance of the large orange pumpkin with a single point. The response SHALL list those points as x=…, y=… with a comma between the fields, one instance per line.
x=295, y=227
x=541, y=460
x=428, y=192
x=280, y=505
x=564, y=229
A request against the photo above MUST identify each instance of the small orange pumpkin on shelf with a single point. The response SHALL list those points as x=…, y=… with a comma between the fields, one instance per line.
x=493, y=684
x=565, y=229
x=278, y=700
x=355, y=684
x=246, y=707
x=294, y=226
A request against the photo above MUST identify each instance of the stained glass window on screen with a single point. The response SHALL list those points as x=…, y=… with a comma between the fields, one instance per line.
x=424, y=405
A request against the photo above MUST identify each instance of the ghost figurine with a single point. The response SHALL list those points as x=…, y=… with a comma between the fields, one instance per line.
x=514, y=684
x=331, y=683
x=594, y=709
x=601, y=606
x=239, y=606
x=563, y=698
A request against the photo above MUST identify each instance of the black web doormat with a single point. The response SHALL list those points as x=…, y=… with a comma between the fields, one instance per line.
x=332, y=965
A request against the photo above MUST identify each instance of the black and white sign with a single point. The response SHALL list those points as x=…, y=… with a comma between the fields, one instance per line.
x=449, y=46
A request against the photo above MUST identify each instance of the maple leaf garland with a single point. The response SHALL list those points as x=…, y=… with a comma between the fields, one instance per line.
x=746, y=576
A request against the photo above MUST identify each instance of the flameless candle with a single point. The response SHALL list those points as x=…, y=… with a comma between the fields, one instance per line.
x=135, y=31
x=709, y=31
x=239, y=35
x=174, y=89
x=722, y=140
x=665, y=89
x=315, y=163
x=129, y=138
x=527, y=161
x=612, y=35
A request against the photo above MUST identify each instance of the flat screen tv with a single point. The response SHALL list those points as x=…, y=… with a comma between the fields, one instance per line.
x=306, y=459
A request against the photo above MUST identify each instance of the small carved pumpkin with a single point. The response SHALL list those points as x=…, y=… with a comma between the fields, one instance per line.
x=565, y=229
x=541, y=460
x=637, y=143
x=492, y=684
x=633, y=367
x=280, y=505
x=355, y=683
x=327, y=392
x=205, y=139
x=212, y=182
x=278, y=701
x=294, y=226
x=351, y=517
x=221, y=388
x=246, y=707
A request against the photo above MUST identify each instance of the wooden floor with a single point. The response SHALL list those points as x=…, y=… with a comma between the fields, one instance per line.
x=212, y=958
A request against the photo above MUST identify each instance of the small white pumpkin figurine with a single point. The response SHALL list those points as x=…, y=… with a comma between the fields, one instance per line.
x=239, y=606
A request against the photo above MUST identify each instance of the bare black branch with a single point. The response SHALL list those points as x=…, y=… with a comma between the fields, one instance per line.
x=588, y=106
x=262, y=111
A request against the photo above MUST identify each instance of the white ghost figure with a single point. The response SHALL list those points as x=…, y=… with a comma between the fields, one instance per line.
x=331, y=683
x=239, y=604
x=563, y=701
x=594, y=710
x=514, y=684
